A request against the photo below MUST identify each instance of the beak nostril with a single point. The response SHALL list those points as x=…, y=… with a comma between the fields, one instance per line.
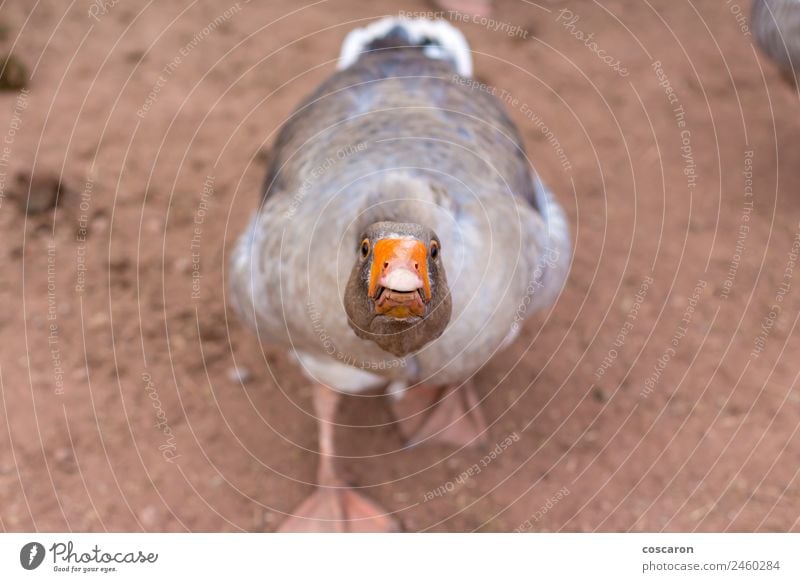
x=386, y=264
x=416, y=266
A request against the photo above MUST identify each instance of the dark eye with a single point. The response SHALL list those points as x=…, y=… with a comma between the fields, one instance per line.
x=364, y=248
x=434, y=250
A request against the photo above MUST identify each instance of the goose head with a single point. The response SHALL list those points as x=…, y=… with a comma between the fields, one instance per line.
x=397, y=295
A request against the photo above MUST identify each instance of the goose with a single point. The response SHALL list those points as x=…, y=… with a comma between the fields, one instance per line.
x=401, y=240
x=776, y=27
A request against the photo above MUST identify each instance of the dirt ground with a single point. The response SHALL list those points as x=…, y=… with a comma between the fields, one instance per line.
x=659, y=394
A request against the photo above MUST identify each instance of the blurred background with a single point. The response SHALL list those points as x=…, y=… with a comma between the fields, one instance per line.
x=658, y=394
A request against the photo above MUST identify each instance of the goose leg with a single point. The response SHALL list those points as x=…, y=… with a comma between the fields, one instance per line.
x=334, y=507
x=449, y=415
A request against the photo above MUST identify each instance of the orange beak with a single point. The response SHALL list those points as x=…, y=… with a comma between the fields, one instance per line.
x=398, y=279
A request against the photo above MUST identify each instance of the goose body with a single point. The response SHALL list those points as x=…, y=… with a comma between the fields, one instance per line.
x=776, y=28
x=402, y=235
x=398, y=136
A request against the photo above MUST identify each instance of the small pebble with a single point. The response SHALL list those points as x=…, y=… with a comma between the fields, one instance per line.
x=401, y=496
x=264, y=155
x=37, y=193
x=453, y=463
x=183, y=265
x=98, y=320
x=270, y=517
x=239, y=374
x=149, y=516
x=100, y=223
x=13, y=74
x=65, y=460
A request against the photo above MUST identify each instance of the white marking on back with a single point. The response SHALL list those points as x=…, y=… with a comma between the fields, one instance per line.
x=451, y=43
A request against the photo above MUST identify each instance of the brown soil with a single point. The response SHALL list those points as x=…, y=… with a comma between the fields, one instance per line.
x=92, y=332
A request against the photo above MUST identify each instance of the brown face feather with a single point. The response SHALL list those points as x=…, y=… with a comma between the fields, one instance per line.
x=400, y=320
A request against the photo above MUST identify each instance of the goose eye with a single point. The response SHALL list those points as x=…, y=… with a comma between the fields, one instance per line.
x=364, y=248
x=434, y=250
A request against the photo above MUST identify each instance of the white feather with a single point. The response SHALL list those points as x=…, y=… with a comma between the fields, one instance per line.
x=450, y=43
x=331, y=372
